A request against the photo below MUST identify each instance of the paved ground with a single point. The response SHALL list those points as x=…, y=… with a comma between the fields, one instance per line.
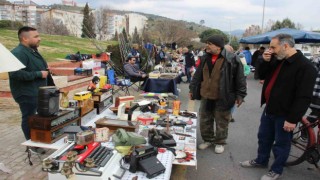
x=242, y=145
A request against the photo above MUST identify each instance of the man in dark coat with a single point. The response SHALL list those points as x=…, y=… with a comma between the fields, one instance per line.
x=25, y=83
x=222, y=85
x=287, y=92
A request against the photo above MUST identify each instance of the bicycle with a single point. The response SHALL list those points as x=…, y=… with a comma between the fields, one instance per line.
x=305, y=149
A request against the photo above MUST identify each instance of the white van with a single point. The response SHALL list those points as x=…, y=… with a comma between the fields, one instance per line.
x=307, y=54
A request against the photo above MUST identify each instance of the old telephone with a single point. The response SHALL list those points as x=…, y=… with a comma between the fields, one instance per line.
x=159, y=138
x=123, y=138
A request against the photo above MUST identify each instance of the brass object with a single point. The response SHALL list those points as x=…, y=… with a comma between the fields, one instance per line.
x=66, y=169
x=71, y=156
x=89, y=162
x=47, y=164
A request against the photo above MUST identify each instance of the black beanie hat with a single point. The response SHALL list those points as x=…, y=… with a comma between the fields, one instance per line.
x=216, y=40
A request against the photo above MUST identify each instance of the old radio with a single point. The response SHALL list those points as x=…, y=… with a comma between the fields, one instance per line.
x=50, y=129
x=53, y=135
x=48, y=123
x=101, y=106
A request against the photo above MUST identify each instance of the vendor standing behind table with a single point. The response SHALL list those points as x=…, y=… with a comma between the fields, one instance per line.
x=25, y=83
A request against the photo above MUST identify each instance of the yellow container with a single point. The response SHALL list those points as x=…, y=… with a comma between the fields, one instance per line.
x=176, y=108
x=103, y=81
x=82, y=95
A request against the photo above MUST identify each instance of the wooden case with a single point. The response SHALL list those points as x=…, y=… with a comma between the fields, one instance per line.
x=48, y=123
x=85, y=106
x=101, y=106
x=53, y=135
x=101, y=96
x=114, y=124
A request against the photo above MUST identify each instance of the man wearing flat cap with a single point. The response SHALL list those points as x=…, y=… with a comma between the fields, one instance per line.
x=222, y=84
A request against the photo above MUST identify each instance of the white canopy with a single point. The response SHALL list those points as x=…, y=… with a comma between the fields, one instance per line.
x=8, y=62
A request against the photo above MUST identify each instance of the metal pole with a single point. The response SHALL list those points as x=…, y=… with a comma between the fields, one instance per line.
x=230, y=32
x=264, y=3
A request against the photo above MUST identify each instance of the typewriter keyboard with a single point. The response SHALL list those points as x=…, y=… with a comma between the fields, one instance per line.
x=101, y=155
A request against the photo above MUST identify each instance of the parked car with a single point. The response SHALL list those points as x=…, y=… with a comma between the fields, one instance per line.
x=307, y=54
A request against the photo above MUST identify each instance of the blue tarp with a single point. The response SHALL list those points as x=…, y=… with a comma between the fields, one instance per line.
x=299, y=36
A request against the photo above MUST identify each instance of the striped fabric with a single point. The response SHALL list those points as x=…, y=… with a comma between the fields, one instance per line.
x=316, y=90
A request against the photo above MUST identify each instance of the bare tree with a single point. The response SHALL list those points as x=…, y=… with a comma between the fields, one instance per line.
x=252, y=30
x=270, y=23
x=102, y=17
x=50, y=25
x=173, y=31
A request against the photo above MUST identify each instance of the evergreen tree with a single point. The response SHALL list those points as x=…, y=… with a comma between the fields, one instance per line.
x=286, y=23
x=88, y=23
x=124, y=33
x=135, y=36
x=210, y=32
x=115, y=38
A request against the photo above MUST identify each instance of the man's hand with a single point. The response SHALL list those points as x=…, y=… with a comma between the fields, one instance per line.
x=239, y=102
x=267, y=55
x=143, y=75
x=190, y=96
x=44, y=74
x=288, y=126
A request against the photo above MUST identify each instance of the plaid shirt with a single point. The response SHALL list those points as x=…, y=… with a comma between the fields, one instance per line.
x=316, y=90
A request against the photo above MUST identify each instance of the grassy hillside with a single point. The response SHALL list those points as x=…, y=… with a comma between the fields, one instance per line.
x=53, y=46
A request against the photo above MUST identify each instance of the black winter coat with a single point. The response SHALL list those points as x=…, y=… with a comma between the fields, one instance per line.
x=291, y=93
x=232, y=83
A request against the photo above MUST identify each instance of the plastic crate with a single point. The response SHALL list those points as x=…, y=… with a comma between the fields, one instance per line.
x=83, y=72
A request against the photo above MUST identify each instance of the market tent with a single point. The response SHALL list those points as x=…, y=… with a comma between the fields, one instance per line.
x=299, y=36
x=8, y=61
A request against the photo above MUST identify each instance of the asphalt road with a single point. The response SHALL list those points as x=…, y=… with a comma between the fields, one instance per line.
x=242, y=144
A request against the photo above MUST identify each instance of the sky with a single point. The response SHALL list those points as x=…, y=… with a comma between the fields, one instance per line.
x=225, y=15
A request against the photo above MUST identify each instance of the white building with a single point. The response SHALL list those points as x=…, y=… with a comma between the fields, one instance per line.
x=135, y=20
x=69, y=3
x=5, y=10
x=115, y=24
x=72, y=20
x=23, y=11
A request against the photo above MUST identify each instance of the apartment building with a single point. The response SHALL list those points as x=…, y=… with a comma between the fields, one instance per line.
x=5, y=10
x=135, y=20
x=23, y=11
x=116, y=23
x=71, y=19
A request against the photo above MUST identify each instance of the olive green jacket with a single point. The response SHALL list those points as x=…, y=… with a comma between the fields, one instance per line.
x=27, y=81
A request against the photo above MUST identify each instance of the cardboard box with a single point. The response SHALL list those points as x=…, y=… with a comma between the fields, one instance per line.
x=124, y=99
x=4, y=76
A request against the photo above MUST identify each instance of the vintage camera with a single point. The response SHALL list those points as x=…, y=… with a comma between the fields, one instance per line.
x=145, y=159
x=159, y=138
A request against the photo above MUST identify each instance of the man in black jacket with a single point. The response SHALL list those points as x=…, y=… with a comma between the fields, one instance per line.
x=287, y=92
x=222, y=85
